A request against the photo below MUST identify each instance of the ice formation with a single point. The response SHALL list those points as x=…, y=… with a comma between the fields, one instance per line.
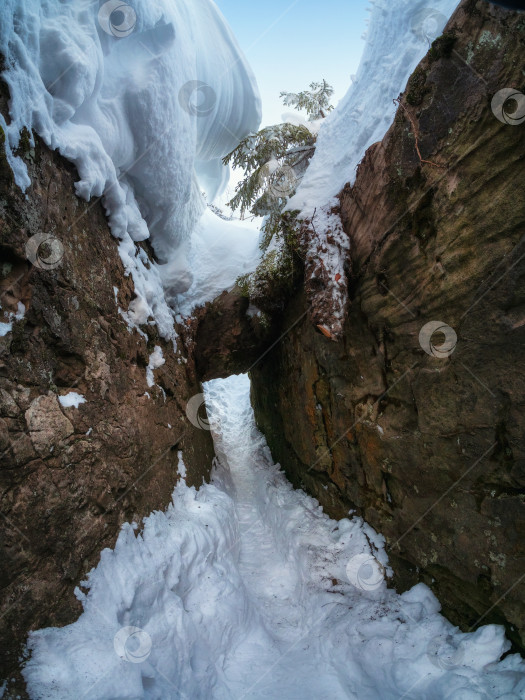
x=246, y=589
x=144, y=98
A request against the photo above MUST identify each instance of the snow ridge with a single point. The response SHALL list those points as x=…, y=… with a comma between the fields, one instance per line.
x=398, y=37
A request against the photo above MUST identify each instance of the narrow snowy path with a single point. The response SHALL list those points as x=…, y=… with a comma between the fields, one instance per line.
x=246, y=589
x=259, y=666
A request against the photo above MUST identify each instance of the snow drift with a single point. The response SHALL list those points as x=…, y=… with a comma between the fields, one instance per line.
x=144, y=98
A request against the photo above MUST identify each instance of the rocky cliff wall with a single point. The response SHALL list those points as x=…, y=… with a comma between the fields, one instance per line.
x=426, y=445
x=69, y=477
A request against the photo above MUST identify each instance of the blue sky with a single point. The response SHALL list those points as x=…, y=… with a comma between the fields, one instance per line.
x=290, y=44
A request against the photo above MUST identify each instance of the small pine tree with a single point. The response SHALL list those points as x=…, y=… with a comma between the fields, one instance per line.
x=257, y=153
x=316, y=101
x=274, y=160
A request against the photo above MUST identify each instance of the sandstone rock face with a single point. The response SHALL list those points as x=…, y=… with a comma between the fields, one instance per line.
x=428, y=448
x=69, y=477
x=47, y=424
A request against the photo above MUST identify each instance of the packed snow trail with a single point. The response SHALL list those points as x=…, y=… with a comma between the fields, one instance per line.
x=246, y=589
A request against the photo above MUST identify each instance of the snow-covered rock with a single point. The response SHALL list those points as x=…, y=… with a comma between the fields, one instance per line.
x=398, y=37
x=144, y=98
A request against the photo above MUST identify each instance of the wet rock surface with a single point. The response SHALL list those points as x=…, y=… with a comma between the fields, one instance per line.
x=428, y=448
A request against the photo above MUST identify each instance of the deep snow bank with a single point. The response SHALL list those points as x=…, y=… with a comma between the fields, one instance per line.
x=247, y=589
x=399, y=35
x=220, y=252
x=144, y=98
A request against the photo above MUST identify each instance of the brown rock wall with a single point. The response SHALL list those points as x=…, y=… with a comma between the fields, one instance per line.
x=69, y=477
x=429, y=450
